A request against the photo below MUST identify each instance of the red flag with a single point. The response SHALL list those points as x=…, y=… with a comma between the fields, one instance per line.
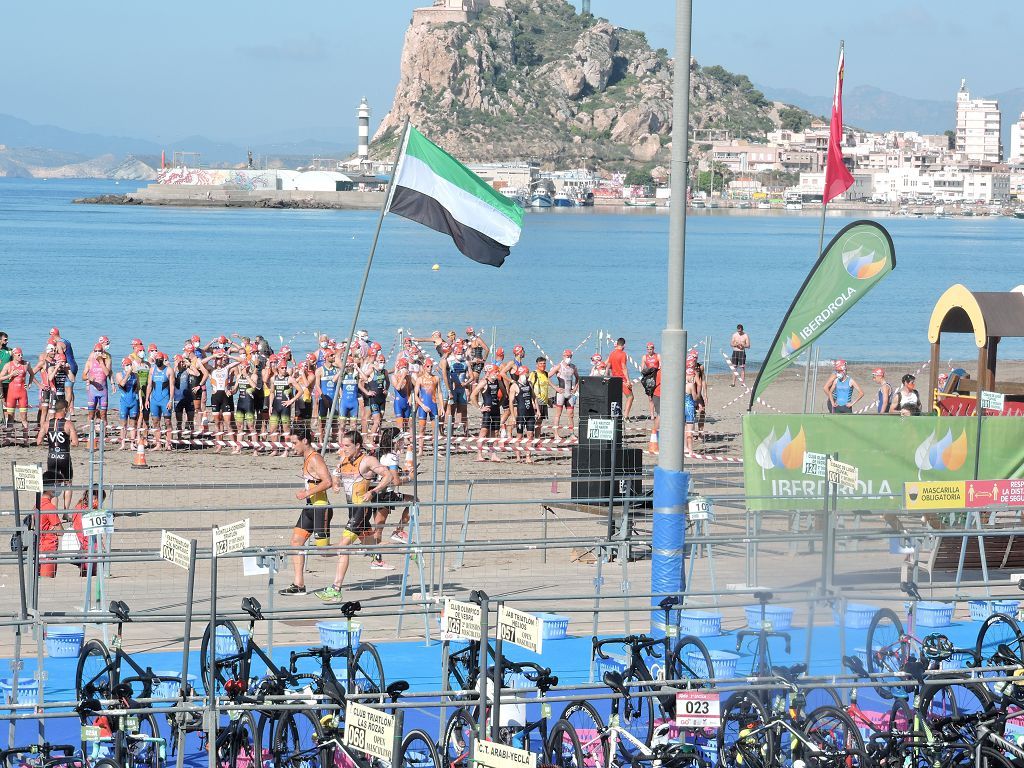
x=837, y=177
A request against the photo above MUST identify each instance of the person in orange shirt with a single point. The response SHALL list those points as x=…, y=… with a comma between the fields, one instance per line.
x=617, y=368
x=50, y=528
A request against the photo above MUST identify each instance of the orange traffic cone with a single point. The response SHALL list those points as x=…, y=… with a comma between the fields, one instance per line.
x=652, y=446
x=139, y=462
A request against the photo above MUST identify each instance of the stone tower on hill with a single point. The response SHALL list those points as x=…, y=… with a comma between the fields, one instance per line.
x=459, y=11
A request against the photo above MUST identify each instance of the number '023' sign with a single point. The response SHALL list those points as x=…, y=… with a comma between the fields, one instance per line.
x=698, y=709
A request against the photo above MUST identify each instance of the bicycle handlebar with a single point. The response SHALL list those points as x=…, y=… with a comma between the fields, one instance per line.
x=742, y=634
x=43, y=749
x=635, y=642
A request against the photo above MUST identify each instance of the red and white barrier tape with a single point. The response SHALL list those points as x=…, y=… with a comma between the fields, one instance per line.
x=746, y=389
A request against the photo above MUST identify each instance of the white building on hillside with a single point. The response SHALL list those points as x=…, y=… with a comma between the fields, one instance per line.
x=1016, y=137
x=977, y=127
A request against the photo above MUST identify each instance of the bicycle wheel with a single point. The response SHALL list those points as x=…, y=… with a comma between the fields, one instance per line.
x=92, y=676
x=298, y=742
x=743, y=738
x=822, y=696
x=990, y=758
x=460, y=676
x=589, y=728
x=691, y=661
x=636, y=715
x=418, y=751
x=228, y=642
x=563, y=748
x=105, y=762
x=886, y=651
x=998, y=629
x=900, y=737
x=367, y=672
x=144, y=748
x=953, y=699
x=835, y=738
x=458, y=733
x=244, y=748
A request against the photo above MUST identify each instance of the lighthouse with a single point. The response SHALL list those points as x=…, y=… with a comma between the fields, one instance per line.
x=363, y=153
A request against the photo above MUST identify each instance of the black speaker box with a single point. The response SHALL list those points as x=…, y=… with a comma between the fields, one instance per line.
x=600, y=398
x=594, y=460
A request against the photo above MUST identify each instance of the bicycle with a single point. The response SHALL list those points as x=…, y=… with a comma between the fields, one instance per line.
x=42, y=756
x=559, y=745
x=131, y=741
x=304, y=740
x=611, y=745
x=785, y=734
x=761, y=664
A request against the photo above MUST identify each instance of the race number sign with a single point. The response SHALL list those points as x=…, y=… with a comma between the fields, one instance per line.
x=230, y=538
x=842, y=474
x=174, y=549
x=28, y=477
x=97, y=522
x=462, y=621
x=700, y=509
x=369, y=730
x=522, y=629
x=487, y=754
x=698, y=709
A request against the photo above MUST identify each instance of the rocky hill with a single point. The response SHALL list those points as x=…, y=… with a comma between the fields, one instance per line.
x=538, y=80
x=53, y=164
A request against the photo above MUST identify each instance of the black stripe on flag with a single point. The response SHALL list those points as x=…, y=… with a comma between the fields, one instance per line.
x=425, y=210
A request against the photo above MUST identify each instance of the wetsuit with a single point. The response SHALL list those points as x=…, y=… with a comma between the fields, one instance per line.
x=491, y=411
x=128, y=403
x=160, y=397
x=58, y=457
x=526, y=414
x=328, y=390
x=348, y=408
x=377, y=387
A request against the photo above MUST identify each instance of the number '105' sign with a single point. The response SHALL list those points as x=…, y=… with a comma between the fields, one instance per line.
x=698, y=709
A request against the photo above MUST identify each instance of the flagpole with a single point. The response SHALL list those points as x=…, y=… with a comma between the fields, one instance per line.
x=366, y=277
x=824, y=203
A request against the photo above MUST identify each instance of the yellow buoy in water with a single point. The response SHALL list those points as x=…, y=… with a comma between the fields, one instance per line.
x=436, y=267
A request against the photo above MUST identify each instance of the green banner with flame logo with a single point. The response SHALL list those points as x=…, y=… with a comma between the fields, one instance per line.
x=850, y=266
x=888, y=451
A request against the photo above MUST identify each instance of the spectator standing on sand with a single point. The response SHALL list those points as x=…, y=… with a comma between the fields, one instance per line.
x=740, y=343
x=840, y=388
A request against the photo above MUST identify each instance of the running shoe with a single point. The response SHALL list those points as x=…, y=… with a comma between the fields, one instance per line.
x=378, y=564
x=400, y=537
x=293, y=589
x=331, y=594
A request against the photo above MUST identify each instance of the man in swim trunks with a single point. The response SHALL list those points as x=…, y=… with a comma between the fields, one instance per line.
x=740, y=343
x=617, y=368
x=566, y=379
x=315, y=518
x=356, y=470
x=17, y=375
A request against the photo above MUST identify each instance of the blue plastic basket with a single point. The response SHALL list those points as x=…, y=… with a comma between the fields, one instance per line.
x=982, y=609
x=169, y=689
x=956, y=661
x=555, y=627
x=64, y=642
x=225, y=642
x=929, y=614
x=611, y=664
x=780, y=616
x=335, y=634
x=858, y=616
x=700, y=623
x=28, y=689
x=723, y=664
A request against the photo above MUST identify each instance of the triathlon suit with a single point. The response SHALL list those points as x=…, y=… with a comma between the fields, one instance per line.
x=69, y=353
x=491, y=411
x=5, y=357
x=282, y=386
x=883, y=400
x=457, y=373
x=16, y=395
x=58, y=458
x=365, y=372
x=57, y=385
x=403, y=408
x=356, y=487
x=97, y=389
x=160, y=399
x=246, y=408
x=349, y=406
x=142, y=377
x=841, y=394
x=648, y=362
x=617, y=368
x=304, y=405
x=315, y=517
x=565, y=375
x=526, y=415
x=328, y=390
x=377, y=386
x=428, y=406
x=476, y=352
x=220, y=400
x=128, y=403
x=689, y=406
x=390, y=462
x=184, y=385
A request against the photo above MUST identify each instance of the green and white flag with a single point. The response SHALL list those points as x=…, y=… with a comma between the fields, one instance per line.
x=850, y=266
x=433, y=188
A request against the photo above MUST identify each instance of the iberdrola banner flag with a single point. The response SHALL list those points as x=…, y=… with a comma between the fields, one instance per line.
x=433, y=188
x=850, y=266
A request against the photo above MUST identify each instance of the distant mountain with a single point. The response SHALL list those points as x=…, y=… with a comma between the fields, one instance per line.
x=15, y=132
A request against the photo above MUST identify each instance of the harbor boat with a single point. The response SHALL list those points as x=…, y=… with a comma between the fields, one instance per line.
x=585, y=199
x=1019, y=213
x=563, y=200
x=517, y=196
x=541, y=200
x=697, y=204
x=633, y=203
x=764, y=205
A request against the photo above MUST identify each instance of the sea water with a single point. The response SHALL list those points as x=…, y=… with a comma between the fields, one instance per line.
x=164, y=273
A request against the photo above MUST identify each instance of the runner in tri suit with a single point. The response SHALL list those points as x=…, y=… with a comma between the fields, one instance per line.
x=315, y=518
x=521, y=396
x=17, y=375
x=490, y=391
x=566, y=380
x=60, y=436
x=355, y=472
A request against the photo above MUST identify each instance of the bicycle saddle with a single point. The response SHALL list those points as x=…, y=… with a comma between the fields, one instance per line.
x=351, y=608
x=911, y=589
x=477, y=596
x=763, y=597
x=855, y=665
x=120, y=610
x=789, y=674
x=614, y=681
x=252, y=606
x=396, y=689
x=1020, y=585
x=668, y=603
x=1004, y=656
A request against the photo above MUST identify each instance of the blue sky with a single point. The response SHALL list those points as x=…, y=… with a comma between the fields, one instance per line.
x=259, y=70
